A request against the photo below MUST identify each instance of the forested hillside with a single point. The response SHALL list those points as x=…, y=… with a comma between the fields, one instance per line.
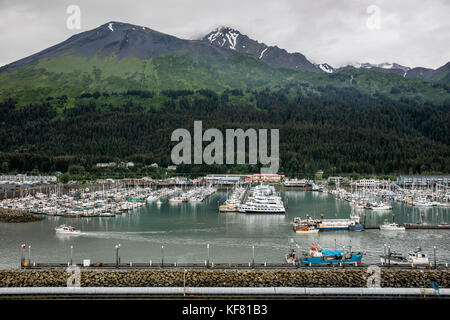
x=338, y=130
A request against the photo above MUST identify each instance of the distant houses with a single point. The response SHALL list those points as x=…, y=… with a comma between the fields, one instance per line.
x=115, y=164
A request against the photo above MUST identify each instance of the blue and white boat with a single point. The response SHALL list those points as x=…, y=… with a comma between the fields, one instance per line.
x=319, y=256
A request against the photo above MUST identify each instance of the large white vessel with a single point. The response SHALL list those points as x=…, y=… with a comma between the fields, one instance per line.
x=261, y=208
x=263, y=199
x=63, y=229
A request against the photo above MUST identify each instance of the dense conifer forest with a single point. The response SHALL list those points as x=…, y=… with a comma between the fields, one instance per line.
x=338, y=130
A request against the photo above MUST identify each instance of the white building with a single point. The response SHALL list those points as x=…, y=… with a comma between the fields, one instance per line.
x=367, y=183
x=22, y=178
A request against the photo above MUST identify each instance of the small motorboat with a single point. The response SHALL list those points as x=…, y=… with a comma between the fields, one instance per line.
x=63, y=229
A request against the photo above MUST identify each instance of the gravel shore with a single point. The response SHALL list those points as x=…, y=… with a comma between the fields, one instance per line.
x=13, y=216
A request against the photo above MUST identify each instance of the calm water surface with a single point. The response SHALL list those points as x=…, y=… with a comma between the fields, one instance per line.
x=185, y=230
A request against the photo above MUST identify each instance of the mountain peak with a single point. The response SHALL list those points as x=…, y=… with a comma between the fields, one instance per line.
x=230, y=38
x=223, y=36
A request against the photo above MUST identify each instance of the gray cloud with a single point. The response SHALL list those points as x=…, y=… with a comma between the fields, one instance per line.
x=412, y=32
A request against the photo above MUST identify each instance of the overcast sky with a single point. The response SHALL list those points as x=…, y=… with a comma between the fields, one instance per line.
x=410, y=32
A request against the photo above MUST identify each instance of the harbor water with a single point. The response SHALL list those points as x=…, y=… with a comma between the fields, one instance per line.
x=181, y=232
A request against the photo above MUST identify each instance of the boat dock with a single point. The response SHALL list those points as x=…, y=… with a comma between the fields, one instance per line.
x=220, y=266
x=412, y=226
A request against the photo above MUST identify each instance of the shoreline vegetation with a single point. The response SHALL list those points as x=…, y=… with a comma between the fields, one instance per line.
x=390, y=278
x=17, y=216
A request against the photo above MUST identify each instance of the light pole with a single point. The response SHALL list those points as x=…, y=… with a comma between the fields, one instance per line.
x=184, y=281
x=253, y=256
x=434, y=264
x=22, y=254
x=207, y=261
x=162, y=256
x=117, y=255
x=71, y=251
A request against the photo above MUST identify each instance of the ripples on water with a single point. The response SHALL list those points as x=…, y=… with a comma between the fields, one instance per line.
x=185, y=229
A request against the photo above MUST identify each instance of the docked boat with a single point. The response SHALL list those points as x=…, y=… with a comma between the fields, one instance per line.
x=379, y=206
x=63, y=229
x=391, y=226
x=319, y=256
x=178, y=199
x=322, y=225
x=263, y=199
x=291, y=257
x=228, y=208
x=423, y=203
x=340, y=225
x=151, y=198
x=417, y=257
x=261, y=208
x=303, y=229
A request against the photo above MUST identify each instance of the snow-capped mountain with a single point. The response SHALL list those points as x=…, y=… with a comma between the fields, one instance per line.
x=226, y=37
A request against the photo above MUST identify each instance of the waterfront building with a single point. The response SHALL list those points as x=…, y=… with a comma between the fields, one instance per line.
x=336, y=180
x=26, y=179
x=367, y=183
x=266, y=177
x=226, y=178
x=423, y=180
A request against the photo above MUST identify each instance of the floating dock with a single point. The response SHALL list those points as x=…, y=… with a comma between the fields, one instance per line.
x=417, y=226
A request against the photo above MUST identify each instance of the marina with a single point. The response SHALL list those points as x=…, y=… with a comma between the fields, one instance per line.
x=190, y=233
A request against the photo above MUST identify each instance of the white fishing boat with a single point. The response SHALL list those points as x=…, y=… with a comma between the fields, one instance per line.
x=388, y=226
x=177, y=199
x=379, y=206
x=417, y=257
x=63, y=229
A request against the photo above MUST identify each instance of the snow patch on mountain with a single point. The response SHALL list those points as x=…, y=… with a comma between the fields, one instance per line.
x=110, y=27
x=262, y=53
